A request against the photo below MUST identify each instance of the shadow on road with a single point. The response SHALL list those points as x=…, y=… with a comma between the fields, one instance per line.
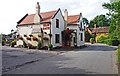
x=95, y=47
x=88, y=47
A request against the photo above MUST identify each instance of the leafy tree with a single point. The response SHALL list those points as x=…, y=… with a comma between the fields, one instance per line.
x=100, y=21
x=92, y=23
x=85, y=21
x=114, y=12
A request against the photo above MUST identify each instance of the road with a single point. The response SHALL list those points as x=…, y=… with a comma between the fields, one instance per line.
x=93, y=59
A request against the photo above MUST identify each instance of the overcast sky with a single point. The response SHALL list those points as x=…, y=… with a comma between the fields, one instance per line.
x=11, y=11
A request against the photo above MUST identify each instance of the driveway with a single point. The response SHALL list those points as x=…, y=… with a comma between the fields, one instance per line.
x=93, y=59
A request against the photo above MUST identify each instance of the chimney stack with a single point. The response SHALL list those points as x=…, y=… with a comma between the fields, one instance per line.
x=66, y=17
x=37, y=15
x=37, y=8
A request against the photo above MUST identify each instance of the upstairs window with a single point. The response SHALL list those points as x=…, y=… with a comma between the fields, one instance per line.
x=57, y=23
x=81, y=24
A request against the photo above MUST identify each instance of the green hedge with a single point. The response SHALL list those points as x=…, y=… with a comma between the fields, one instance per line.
x=113, y=42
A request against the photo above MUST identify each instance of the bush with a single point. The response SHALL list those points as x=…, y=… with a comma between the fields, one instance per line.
x=3, y=42
x=39, y=46
x=102, y=39
x=92, y=40
x=50, y=46
x=113, y=42
x=87, y=36
x=13, y=43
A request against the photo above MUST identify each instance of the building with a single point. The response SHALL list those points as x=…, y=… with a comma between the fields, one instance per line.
x=48, y=27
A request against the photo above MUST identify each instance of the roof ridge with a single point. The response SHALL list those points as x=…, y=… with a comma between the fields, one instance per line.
x=44, y=12
x=74, y=15
x=49, y=11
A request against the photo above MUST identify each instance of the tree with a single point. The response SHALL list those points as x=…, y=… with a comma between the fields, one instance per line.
x=85, y=21
x=92, y=23
x=114, y=12
x=100, y=21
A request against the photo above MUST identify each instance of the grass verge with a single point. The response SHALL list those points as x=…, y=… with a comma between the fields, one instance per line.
x=118, y=54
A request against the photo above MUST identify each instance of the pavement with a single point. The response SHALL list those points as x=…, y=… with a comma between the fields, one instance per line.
x=93, y=59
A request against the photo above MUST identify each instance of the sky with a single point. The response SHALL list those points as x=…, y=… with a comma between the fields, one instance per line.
x=11, y=11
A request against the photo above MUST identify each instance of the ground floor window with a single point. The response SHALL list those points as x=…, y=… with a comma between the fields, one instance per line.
x=57, y=38
x=81, y=35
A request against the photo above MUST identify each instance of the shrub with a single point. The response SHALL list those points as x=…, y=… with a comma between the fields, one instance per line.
x=3, y=42
x=92, y=40
x=50, y=46
x=39, y=46
x=87, y=36
x=13, y=43
x=102, y=39
x=113, y=42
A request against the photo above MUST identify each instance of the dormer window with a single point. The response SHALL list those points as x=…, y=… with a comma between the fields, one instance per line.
x=57, y=23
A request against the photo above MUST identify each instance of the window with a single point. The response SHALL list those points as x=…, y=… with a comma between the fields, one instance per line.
x=81, y=25
x=57, y=23
x=81, y=36
x=57, y=38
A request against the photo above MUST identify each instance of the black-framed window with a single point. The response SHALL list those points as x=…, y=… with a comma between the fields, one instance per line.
x=57, y=23
x=81, y=35
x=81, y=24
x=57, y=38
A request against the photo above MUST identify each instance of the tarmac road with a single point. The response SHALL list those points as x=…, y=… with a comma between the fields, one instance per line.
x=93, y=59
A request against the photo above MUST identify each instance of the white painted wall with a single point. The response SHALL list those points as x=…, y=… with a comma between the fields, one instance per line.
x=55, y=30
x=24, y=30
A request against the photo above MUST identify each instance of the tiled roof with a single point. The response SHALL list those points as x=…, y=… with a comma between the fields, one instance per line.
x=46, y=16
x=100, y=30
x=73, y=19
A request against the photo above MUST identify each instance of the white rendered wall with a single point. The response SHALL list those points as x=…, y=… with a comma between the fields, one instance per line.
x=55, y=30
x=24, y=30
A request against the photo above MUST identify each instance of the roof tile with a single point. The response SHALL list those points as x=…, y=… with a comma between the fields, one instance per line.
x=46, y=16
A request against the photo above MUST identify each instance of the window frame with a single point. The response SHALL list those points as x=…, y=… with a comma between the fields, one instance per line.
x=57, y=36
x=81, y=36
x=57, y=23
